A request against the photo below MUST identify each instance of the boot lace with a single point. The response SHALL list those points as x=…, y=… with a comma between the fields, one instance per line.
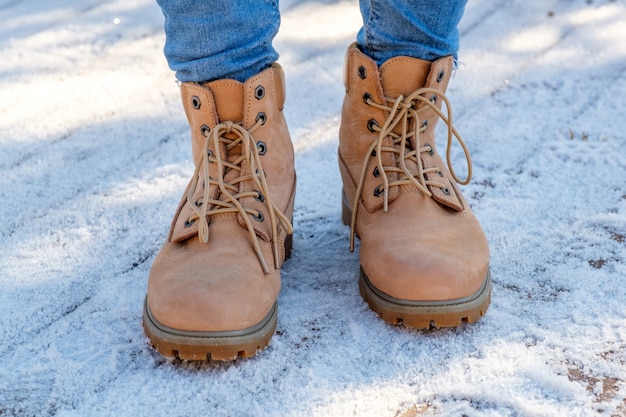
x=229, y=195
x=401, y=111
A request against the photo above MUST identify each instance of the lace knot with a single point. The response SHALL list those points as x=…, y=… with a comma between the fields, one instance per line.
x=230, y=154
x=403, y=129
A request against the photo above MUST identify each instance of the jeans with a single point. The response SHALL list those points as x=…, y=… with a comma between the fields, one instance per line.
x=209, y=40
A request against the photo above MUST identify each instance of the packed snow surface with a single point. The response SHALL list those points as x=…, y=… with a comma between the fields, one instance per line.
x=95, y=154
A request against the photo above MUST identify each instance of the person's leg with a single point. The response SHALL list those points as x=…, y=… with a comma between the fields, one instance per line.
x=211, y=40
x=424, y=29
x=213, y=287
x=424, y=256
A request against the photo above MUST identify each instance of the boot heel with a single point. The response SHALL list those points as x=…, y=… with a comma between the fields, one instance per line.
x=346, y=212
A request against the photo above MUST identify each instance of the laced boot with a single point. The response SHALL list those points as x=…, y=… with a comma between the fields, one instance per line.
x=424, y=257
x=213, y=287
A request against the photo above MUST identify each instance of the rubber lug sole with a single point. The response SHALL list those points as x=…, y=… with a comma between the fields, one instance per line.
x=209, y=346
x=426, y=314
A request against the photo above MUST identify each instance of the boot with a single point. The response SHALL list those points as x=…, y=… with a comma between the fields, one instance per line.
x=213, y=287
x=424, y=257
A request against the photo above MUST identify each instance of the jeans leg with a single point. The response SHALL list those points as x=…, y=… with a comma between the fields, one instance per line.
x=214, y=39
x=424, y=29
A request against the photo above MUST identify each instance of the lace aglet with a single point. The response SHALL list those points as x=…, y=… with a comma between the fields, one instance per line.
x=203, y=232
x=276, y=257
x=266, y=270
x=352, y=231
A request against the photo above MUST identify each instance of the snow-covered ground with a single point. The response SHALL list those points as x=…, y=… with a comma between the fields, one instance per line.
x=94, y=155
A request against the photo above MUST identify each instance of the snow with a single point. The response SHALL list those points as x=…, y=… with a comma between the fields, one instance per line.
x=95, y=155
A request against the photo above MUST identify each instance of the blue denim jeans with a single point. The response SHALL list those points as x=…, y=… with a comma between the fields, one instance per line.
x=209, y=40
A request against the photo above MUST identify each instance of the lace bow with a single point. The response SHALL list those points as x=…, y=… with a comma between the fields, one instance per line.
x=402, y=111
x=228, y=200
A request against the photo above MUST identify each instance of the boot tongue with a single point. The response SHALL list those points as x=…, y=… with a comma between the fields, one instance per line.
x=403, y=75
x=228, y=97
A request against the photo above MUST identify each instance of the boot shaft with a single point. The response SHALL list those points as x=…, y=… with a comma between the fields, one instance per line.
x=261, y=97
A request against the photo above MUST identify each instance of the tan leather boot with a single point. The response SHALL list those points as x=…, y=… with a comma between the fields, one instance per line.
x=213, y=287
x=424, y=256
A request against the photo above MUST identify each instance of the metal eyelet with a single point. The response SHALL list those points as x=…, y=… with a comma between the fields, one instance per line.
x=189, y=223
x=362, y=72
x=373, y=153
x=440, y=75
x=424, y=124
x=259, y=196
x=205, y=130
x=261, y=116
x=195, y=102
x=433, y=99
x=370, y=125
x=445, y=191
x=431, y=151
x=262, y=147
x=378, y=192
x=366, y=97
x=259, y=217
x=259, y=92
x=376, y=172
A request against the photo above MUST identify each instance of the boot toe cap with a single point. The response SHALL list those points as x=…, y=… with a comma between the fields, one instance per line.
x=213, y=297
x=425, y=274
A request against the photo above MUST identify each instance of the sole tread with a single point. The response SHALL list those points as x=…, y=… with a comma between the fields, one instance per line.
x=208, y=346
